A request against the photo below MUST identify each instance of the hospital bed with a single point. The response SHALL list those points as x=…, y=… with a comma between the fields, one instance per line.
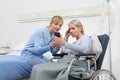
x=12, y=65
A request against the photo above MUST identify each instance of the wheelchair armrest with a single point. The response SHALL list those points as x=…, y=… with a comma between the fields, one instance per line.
x=59, y=55
x=87, y=56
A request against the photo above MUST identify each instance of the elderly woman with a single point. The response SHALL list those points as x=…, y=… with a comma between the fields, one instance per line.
x=58, y=70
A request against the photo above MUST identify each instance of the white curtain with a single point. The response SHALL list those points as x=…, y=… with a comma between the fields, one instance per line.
x=115, y=37
x=112, y=26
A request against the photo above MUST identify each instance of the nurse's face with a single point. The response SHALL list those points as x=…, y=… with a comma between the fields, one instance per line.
x=56, y=26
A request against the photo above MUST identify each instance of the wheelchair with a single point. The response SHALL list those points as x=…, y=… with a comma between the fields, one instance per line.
x=98, y=74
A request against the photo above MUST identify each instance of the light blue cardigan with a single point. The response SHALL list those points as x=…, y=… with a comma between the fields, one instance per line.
x=83, y=45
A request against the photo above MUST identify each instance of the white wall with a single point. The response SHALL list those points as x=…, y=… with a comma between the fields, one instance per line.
x=15, y=32
x=9, y=9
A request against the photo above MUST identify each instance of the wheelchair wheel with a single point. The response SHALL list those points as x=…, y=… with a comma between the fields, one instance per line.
x=102, y=75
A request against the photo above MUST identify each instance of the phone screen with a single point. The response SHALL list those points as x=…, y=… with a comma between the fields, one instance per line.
x=57, y=34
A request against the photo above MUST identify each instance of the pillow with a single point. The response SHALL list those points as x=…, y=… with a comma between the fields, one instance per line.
x=17, y=49
x=20, y=46
x=96, y=46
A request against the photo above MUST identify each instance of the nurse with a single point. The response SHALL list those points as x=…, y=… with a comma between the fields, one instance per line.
x=41, y=42
x=16, y=67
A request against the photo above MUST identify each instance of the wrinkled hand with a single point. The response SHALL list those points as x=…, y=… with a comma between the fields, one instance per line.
x=67, y=34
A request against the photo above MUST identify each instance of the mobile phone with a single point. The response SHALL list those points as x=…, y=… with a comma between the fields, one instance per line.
x=57, y=34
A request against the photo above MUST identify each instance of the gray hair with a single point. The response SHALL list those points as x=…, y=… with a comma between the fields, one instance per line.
x=78, y=24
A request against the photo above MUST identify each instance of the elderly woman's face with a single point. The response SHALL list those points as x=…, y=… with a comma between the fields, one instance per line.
x=74, y=31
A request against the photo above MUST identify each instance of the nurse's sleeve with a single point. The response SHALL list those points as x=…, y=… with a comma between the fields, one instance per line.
x=40, y=47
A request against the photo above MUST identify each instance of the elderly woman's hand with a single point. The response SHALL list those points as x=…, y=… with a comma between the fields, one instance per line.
x=67, y=34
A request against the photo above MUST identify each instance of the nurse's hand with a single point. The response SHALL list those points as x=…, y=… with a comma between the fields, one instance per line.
x=59, y=41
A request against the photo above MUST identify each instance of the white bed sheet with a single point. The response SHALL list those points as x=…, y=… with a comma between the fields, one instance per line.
x=17, y=49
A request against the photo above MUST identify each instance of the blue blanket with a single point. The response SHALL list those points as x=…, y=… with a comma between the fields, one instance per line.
x=12, y=67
